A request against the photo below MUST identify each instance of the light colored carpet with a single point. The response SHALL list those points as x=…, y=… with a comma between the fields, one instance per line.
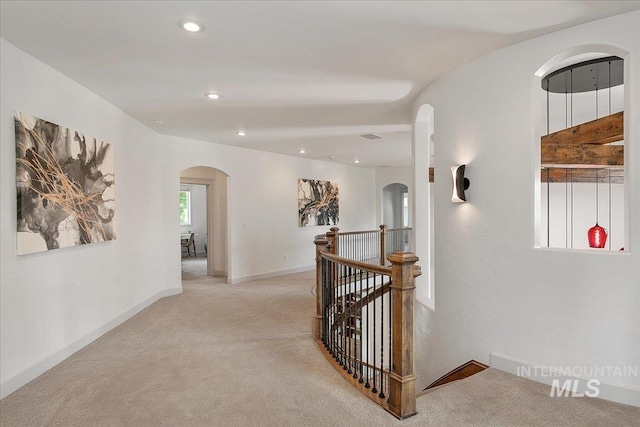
x=194, y=268
x=243, y=355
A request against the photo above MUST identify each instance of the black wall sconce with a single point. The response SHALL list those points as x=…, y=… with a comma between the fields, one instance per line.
x=460, y=184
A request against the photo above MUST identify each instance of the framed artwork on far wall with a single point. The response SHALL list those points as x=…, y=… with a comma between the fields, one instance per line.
x=318, y=203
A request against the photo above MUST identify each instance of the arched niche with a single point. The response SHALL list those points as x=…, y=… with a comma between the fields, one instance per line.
x=570, y=197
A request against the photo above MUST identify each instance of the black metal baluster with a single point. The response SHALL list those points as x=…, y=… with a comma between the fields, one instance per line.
x=360, y=380
x=354, y=328
x=381, y=395
x=329, y=305
x=367, y=384
x=390, y=339
x=336, y=282
x=344, y=320
x=324, y=302
x=347, y=322
x=327, y=301
x=374, y=389
x=341, y=324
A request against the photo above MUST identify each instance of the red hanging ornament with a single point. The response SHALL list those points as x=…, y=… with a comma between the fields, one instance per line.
x=597, y=237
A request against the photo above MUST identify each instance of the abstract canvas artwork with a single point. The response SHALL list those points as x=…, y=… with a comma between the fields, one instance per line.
x=65, y=187
x=317, y=203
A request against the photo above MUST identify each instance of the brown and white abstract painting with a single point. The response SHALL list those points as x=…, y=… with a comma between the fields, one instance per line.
x=65, y=187
x=317, y=203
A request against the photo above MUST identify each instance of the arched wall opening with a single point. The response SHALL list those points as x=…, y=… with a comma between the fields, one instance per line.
x=423, y=212
x=564, y=207
x=216, y=183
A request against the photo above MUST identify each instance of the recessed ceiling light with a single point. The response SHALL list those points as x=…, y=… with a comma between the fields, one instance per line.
x=302, y=151
x=212, y=95
x=157, y=121
x=192, y=27
x=356, y=161
x=331, y=157
x=241, y=133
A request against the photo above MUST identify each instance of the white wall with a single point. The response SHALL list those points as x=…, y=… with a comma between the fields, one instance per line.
x=53, y=303
x=494, y=291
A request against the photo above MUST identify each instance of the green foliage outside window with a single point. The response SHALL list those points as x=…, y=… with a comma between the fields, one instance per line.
x=185, y=207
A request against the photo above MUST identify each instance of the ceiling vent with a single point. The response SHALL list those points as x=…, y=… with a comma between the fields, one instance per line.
x=371, y=136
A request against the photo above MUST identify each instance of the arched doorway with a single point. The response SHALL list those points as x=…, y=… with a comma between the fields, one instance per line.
x=395, y=205
x=211, y=237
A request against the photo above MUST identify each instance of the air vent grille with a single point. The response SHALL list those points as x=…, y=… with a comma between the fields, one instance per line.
x=371, y=136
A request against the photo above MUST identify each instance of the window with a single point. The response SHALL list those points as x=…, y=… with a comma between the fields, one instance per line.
x=582, y=171
x=405, y=209
x=185, y=207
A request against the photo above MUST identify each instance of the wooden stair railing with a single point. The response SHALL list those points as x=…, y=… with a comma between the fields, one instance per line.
x=364, y=322
x=371, y=246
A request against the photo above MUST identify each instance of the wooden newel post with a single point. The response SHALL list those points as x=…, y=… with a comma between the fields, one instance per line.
x=332, y=237
x=383, y=249
x=402, y=390
x=321, y=243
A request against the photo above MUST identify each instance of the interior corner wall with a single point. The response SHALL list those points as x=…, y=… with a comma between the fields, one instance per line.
x=53, y=303
x=494, y=291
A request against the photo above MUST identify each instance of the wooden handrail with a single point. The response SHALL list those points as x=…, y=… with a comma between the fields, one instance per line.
x=352, y=233
x=374, y=268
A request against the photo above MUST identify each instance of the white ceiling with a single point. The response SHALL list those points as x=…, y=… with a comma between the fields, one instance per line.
x=298, y=74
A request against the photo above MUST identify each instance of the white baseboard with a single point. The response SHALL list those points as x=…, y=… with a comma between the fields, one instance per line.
x=269, y=275
x=620, y=393
x=18, y=380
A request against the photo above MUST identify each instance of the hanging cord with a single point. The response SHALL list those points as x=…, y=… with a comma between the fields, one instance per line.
x=547, y=107
x=609, y=170
x=596, y=85
x=597, y=210
x=571, y=208
x=571, y=80
x=566, y=207
x=566, y=109
x=609, y=87
x=548, y=207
